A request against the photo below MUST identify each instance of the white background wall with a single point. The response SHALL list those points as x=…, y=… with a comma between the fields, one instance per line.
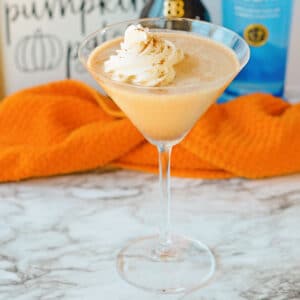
x=293, y=73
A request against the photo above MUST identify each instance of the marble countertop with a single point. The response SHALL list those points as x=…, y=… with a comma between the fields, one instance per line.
x=59, y=237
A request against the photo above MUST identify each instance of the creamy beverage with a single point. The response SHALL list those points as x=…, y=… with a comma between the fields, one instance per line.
x=163, y=81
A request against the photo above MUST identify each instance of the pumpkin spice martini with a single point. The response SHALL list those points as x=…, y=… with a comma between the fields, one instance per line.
x=196, y=70
x=165, y=80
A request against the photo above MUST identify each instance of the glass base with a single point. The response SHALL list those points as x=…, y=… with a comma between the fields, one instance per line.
x=183, y=265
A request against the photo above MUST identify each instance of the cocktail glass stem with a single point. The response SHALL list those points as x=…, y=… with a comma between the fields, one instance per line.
x=165, y=240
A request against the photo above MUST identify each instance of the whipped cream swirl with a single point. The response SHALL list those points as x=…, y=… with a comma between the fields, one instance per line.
x=144, y=59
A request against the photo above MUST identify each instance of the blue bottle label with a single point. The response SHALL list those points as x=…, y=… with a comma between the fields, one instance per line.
x=265, y=25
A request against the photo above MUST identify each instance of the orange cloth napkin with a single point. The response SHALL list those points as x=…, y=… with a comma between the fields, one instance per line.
x=60, y=128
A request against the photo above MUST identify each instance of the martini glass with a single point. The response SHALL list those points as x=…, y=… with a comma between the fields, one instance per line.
x=166, y=263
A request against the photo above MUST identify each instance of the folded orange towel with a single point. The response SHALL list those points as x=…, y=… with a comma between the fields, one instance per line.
x=60, y=128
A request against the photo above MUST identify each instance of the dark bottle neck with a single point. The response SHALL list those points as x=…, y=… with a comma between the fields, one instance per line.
x=194, y=9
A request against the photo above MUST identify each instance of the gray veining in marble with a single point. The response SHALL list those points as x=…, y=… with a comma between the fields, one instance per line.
x=59, y=237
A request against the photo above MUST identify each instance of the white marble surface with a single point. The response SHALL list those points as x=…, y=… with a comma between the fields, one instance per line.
x=59, y=237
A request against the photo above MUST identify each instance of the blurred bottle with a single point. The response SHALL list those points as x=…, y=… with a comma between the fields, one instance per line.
x=193, y=9
x=265, y=25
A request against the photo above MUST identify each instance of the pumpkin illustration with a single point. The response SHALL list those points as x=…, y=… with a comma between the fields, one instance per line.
x=38, y=52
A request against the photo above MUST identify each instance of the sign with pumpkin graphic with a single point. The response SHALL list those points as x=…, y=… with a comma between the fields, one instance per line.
x=38, y=52
x=40, y=38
